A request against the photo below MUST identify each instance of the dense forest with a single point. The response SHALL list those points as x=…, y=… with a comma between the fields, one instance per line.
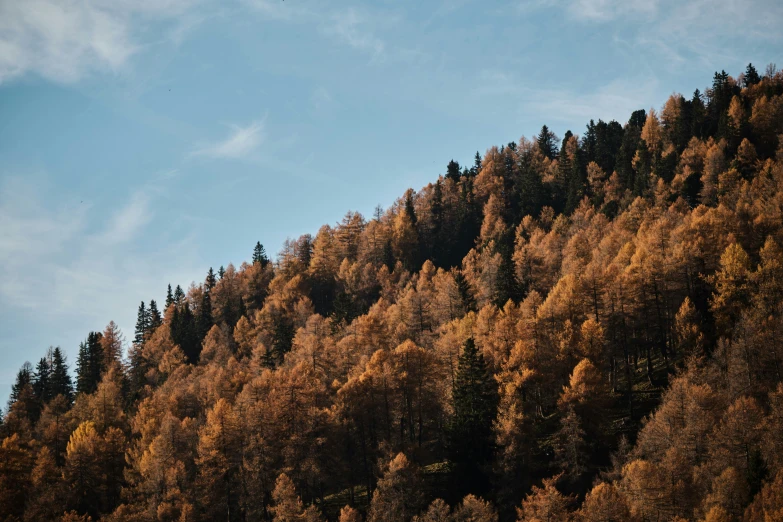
x=584, y=328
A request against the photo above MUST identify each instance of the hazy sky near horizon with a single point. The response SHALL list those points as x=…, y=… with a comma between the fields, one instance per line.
x=143, y=141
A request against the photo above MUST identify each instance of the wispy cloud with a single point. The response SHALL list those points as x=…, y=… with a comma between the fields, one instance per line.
x=65, y=271
x=62, y=40
x=353, y=28
x=593, y=10
x=673, y=30
x=242, y=142
x=616, y=99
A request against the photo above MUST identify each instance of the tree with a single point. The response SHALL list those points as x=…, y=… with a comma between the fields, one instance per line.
x=732, y=290
x=211, y=280
x=604, y=503
x=399, y=494
x=475, y=403
x=545, y=504
x=60, y=379
x=93, y=468
x=155, y=318
x=169, y=297
x=751, y=76
x=89, y=364
x=15, y=466
x=546, y=141
x=219, y=462
x=474, y=509
x=259, y=255
x=453, y=171
x=288, y=506
x=42, y=385
x=111, y=345
x=179, y=295
x=143, y=321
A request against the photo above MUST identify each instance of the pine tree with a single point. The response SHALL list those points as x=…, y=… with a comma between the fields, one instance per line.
x=437, y=248
x=142, y=324
x=475, y=401
x=546, y=142
x=24, y=378
x=89, y=365
x=452, y=171
x=179, y=296
x=211, y=280
x=476, y=168
x=42, y=385
x=410, y=210
x=184, y=332
x=221, y=272
x=751, y=76
x=169, y=297
x=259, y=255
x=154, y=315
x=204, y=320
x=466, y=295
x=60, y=379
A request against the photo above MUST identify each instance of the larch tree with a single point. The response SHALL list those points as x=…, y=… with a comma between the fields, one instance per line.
x=398, y=496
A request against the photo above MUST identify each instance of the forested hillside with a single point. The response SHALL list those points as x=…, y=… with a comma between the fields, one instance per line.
x=583, y=328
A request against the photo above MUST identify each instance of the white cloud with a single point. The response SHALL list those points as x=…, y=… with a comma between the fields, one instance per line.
x=353, y=28
x=604, y=10
x=62, y=272
x=616, y=99
x=62, y=40
x=240, y=143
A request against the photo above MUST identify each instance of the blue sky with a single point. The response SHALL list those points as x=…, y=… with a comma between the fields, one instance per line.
x=143, y=141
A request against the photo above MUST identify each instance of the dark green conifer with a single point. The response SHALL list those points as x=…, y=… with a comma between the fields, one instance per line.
x=154, y=315
x=751, y=76
x=142, y=324
x=211, y=280
x=60, y=379
x=179, y=296
x=452, y=171
x=89, y=364
x=259, y=255
x=475, y=401
x=547, y=140
x=42, y=385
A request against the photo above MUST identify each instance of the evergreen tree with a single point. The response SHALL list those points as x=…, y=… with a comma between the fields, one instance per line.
x=466, y=296
x=154, y=315
x=142, y=324
x=184, y=332
x=283, y=332
x=475, y=401
x=179, y=296
x=452, y=171
x=211, y=280
x=221, y=272
x=577, y=181
x=24, y=378
x=42, y=385
x=204, y=320
x=546, y=142
x=751, y=76
x=60, y=379
x=409, y=208
x=89, y=364
x=169, y=297
x=259, y=255
x=697, y=113
x=437, y=247
x=476, y=168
